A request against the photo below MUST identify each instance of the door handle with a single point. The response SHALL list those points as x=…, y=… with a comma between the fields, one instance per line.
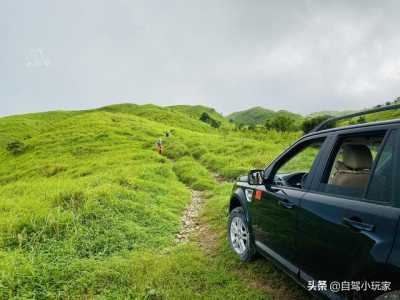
x=358, y=225
x=286, y=204
x=283, y=201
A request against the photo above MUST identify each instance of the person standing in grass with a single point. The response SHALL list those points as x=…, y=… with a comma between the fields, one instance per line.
x=159, y=146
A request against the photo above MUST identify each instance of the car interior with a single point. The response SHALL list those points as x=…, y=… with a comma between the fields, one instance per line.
x=354, y=168
x=349, y=172
x=353, y=165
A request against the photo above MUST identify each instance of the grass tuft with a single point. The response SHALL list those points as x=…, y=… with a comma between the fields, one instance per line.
x=16, y=147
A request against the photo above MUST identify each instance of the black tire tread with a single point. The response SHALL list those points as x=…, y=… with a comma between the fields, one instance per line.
x=250, y=254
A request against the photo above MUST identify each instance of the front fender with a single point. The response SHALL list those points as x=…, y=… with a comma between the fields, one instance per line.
x=238, y=198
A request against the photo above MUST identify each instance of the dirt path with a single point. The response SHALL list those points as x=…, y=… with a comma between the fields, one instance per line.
x=192, y=226
x=190, y=218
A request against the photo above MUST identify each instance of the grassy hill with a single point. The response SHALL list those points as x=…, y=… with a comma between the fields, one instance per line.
x=255, y=115
x=89, y=210
x=259, y=116
x=380, y=116
x=161, y=115
x=195, y=111
x=332, y=113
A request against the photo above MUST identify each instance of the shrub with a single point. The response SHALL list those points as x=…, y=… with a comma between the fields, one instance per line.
x=281, y=123
x=16, y=147
x=311, y=123
x=49, y=170
x=205, y=117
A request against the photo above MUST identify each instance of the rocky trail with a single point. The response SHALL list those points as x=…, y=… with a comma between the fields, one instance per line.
x=190, y=219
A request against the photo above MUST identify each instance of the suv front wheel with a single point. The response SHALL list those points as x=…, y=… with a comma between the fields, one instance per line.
x=239, y=235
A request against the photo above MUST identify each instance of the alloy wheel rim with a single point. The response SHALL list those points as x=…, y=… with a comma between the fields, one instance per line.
x=239, y=235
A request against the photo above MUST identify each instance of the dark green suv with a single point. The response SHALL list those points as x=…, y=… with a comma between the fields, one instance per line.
x=327, y=211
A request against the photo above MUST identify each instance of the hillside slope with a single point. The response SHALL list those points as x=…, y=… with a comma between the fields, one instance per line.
x=195, y=111
x=168, y=117
x=88, y=209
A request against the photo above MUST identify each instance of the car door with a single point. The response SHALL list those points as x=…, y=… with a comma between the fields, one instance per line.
x=274, y=215
x=346, y=233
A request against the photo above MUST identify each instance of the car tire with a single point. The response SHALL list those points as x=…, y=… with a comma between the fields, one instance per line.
x=239, y=235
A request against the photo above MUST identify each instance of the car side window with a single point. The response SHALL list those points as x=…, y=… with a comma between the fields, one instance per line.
x=381, y=185
x=349, y=169
x=295, y=168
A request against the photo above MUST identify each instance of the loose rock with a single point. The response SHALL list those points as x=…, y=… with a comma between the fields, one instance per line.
x=190, y=221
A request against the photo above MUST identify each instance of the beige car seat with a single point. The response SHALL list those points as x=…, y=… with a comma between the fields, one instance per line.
x=354, y=170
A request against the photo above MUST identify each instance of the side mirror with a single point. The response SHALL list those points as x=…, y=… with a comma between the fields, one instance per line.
x=256, y=177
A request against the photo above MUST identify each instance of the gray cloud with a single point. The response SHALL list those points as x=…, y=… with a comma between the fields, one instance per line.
x=298, y=55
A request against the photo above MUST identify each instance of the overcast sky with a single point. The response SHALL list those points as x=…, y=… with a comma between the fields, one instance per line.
x=303, y=56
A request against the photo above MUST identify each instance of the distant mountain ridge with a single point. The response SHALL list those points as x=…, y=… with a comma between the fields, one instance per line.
x=255, y=115
x=333, y=113
x=259, y=116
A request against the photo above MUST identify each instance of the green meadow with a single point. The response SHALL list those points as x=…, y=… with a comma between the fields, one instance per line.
x=89, y=209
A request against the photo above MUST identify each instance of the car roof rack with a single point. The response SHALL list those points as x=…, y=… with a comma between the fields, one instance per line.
x=323, y=124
